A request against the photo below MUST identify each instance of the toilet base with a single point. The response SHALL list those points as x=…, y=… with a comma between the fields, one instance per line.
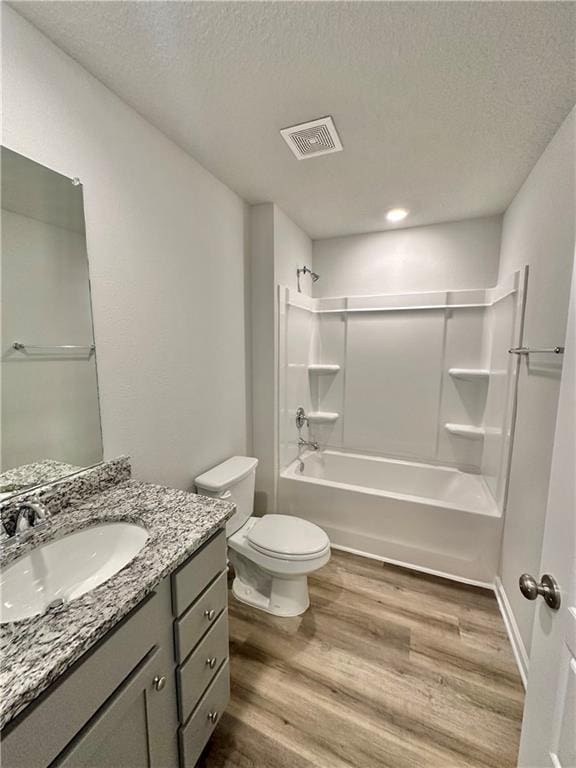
x=271, y=583
x=278, y=596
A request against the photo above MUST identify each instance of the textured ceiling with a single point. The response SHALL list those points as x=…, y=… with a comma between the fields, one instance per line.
x=442, y=107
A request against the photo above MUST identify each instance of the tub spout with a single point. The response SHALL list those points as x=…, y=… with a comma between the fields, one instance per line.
x=307, y=443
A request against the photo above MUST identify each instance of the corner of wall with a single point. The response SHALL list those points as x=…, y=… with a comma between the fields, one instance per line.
x=263, y=343
x=248, y=328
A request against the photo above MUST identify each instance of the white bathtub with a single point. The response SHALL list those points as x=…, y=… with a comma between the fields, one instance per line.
x=435, y=519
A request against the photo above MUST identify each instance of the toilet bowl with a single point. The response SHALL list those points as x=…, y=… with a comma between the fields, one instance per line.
x=272, y=555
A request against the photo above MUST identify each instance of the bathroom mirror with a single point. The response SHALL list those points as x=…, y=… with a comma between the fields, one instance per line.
x=50, y=414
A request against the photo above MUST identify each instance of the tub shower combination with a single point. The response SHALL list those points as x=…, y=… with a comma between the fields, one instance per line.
x=437, y=519
x=384, y=471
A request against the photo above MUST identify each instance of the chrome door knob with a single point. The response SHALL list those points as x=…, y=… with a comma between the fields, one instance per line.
x=211, y=662
x=547, y=588
x=212, y=716
x=210, y=614
x=159, y=682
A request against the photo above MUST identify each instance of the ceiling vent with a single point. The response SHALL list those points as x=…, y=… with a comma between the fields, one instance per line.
x=318, y=137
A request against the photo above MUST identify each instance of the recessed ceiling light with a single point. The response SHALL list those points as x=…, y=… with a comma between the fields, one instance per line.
x=396, y=214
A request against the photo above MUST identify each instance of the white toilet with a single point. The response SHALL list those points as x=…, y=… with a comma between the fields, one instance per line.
x=272, y=555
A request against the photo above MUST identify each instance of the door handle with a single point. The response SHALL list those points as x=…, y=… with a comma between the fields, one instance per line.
x=547, y=588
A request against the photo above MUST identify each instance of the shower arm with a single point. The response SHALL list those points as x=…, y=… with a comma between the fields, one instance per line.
x=305, y=271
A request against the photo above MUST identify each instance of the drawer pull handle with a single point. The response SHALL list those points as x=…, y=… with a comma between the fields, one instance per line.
x=210, y=614
x=211, y=662
x=212, y=716
x=159, y=682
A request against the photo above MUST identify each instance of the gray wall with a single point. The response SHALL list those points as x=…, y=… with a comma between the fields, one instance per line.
x=449, y=256
x=538, y=230
x=263, y=352
x=166, y=244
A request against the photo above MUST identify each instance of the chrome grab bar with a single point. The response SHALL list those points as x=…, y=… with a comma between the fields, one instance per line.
x=533, y=350
x=18, y=345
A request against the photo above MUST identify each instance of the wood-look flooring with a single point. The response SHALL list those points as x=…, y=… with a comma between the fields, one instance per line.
x=387, y=668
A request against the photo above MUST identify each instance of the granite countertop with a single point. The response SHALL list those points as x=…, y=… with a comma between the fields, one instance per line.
x=35, y=651
x=29, y=475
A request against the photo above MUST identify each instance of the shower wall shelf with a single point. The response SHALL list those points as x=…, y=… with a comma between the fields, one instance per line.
x=323, y=369
x=465, y=430
x=469, y=374
x=322, y=417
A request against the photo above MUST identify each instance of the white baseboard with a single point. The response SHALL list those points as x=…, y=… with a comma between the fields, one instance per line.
x=512, y=629
x=412, y=567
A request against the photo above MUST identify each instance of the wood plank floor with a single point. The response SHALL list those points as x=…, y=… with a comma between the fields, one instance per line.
x=387, y=668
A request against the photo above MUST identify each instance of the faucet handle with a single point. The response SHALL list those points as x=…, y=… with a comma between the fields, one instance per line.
x=23, y=519
x=40, y=506
x=32, y=514
x=301, y=417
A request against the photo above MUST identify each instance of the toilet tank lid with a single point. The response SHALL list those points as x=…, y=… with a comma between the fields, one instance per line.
x=226, y=474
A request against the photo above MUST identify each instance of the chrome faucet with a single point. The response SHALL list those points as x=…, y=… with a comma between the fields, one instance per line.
x=308, y=443
x=302, y=419
x=32, y=514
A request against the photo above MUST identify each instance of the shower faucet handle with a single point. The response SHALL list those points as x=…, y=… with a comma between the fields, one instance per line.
x=301, y=417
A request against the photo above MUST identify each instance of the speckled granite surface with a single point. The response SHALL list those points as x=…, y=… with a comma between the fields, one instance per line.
x=27, y=475
x=68, y=492
x=34, y=652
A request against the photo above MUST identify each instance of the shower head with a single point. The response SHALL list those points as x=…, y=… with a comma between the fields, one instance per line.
x=303, y=271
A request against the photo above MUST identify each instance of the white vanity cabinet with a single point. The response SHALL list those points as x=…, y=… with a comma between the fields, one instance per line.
x=150, y=693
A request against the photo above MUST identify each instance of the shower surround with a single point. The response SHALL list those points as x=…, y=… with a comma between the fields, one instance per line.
x=411, y=398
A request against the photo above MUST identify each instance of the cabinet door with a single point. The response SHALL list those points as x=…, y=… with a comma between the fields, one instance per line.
x=123, y=731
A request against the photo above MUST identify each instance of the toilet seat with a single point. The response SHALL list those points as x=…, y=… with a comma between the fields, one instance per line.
x=275, y=562
x=287, y=538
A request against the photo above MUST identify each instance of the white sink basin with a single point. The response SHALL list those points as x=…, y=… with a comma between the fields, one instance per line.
x=66, y=568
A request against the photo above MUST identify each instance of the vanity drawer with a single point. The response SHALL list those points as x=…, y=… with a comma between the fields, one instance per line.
x=196, y=674
x=192, y=578
x=197, y=620
x=195, y=734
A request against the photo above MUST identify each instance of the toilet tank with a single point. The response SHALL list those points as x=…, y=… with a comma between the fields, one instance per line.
x=233, y=481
